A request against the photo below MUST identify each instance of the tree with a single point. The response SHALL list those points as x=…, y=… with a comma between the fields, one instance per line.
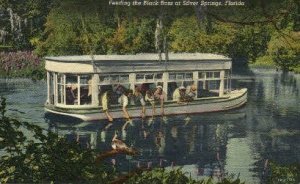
x=285, y=50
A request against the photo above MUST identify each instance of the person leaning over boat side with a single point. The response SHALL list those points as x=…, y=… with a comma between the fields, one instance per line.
x=105, y=104
x=138, y=98
x=179, y=95
x=160, y=96
x=149, y=97
x=123, y=100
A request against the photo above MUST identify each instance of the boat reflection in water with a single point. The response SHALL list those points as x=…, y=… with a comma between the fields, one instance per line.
x=196, y=143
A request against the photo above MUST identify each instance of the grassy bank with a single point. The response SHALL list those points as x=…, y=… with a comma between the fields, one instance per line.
x=263, y=62
x=267, y=62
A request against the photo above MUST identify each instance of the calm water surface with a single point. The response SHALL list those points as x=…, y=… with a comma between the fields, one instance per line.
x=237, y=141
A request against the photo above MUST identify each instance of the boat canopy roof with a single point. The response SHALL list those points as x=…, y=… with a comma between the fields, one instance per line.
x=137, y=63
x=140, y=57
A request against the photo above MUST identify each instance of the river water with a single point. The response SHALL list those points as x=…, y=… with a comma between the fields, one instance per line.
x=236, y=142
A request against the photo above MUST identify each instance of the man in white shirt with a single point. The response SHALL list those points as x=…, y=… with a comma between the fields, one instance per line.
x=179, y=95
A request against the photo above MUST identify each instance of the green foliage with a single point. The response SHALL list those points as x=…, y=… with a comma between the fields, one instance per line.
x=75, y=27
x=188, y=35
x=135, y=36
x=31, y=18
x=264, y=62
x=250, y=42
x=284, y=174
x=176, y=176
x=285, y=49
x=43, y=156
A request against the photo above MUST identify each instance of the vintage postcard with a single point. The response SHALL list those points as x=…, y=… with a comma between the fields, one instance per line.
x=150, y=91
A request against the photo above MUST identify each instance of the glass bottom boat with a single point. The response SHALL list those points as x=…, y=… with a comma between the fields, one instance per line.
x=76, y=84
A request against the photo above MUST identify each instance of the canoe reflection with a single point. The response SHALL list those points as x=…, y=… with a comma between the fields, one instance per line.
x=199, y=146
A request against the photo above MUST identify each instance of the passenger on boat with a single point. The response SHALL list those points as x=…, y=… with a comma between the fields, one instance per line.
x=70, y=96
x=105, y=104
x=139, y=99
x=160, y=96
x=149, y=97
x=191, y=93
x=119, y=89
x=179, y=95
x=124, y=100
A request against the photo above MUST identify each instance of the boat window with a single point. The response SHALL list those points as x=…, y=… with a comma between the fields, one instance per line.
x=188, y=83
x=217, y=75
x=212, y=75
x=140, y=77
x=148, y=77
x=208, y=88
x=172, y=86
x=73, y=79
x=189, y=76
x=172, y=76
x=226, y=85
x=180, y=79
x=124, y=78
x=85, y=89
x=51, y=88
x=113, y=79
x=209, y=75
x=201, y=75
x=158, y=76
x=60, y=89
x=144, y=87
x=105, y=78
x=85, y=79
x=116, y=90
x=181, y=76
x=227, y=73
x=214, y=85
x=71, y=89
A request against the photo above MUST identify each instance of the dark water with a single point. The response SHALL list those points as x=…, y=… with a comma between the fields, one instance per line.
x=237, y=141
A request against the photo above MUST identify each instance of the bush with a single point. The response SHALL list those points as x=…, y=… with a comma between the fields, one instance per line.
x=45, y=157
x=264, y=61
x=285, y=50
x=288, y=174
x=21, y=64
x=176, y=176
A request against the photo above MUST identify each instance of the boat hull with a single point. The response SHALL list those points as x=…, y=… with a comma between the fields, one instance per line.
x=233, y=100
